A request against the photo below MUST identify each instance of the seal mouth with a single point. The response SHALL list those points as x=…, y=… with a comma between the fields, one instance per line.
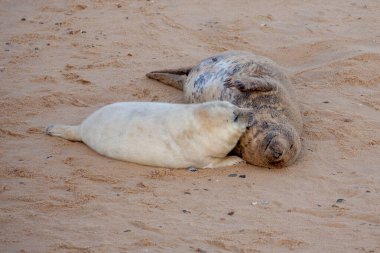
x=246, y=116
x=275, y=150
x=276, y=164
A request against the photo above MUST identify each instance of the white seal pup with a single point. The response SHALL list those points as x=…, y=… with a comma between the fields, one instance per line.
x=248, y=81
x=162, y=134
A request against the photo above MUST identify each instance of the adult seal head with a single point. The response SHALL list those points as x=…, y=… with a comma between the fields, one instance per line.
x=248, y=81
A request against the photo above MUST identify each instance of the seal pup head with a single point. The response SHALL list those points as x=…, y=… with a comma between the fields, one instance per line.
x=270, y=145
x=224, y=117
x=223, y=111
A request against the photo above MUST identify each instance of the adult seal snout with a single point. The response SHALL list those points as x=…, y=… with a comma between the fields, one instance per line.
x=248, y=81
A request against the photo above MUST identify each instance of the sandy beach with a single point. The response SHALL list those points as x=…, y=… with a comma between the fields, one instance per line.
x=62, y=59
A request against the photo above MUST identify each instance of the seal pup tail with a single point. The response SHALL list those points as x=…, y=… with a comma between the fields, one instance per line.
x=172, y=77
x=71, y=133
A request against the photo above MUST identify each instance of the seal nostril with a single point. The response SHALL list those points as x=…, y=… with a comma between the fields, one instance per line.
x=277, y=154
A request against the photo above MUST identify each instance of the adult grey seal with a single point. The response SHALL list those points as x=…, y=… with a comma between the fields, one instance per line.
x=162, y=134
x=248, y=81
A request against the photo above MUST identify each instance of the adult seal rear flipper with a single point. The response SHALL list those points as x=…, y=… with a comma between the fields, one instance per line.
x=172, y=77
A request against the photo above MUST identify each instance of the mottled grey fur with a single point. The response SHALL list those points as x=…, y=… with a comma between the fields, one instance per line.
x=248, y=81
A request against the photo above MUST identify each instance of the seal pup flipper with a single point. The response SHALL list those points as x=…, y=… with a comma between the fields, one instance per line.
x=173, y=77
x=224, y=162
x=251, y=83
x=71, y=133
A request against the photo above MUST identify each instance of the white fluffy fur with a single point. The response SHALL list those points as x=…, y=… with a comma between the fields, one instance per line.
x=161, y=134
